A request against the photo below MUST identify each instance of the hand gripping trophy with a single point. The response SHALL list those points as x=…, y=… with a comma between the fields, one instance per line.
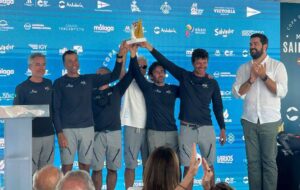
x=137, y=33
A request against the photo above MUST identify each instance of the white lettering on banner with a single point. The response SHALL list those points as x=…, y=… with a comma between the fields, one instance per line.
x=223, y=32
x=224, y=10
x=78, y=49
x=108, y=58
x=63, y=4
x=7, y=96
x=71, y=28
x=248, y=33
x=28, y=26
x=189, y=52
x=62, y=50
x=225, y=159
x=291, y=47
x=4, y=26
x=6, y=2
x=42, y=3
x=158, y=30
x=229, y=180
x=195, y=10
x=6, y=72
x=103, y=29
x=5, y=48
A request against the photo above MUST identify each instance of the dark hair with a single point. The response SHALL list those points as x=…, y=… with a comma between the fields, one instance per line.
x=68, y=52
x=263, y=38
x=161, y=170
x=153, y=66
x=199, y=54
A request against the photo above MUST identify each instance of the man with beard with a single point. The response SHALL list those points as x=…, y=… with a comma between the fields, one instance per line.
x=160, y=102
x=261, y=83
x=196, y=91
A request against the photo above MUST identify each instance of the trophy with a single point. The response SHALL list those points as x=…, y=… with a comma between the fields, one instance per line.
x=137, y=33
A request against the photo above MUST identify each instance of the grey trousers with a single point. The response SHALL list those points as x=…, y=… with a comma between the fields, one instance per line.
x=261, y=151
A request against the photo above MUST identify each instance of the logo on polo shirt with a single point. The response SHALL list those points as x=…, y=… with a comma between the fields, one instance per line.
x=204, y=85
x=69, y=85
x=158, y=91
x=47, y=88
x=33, y=91
x=83, y=82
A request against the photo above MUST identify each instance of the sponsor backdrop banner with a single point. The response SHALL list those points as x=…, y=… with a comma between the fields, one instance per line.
x=290, y=55
x=95, y=28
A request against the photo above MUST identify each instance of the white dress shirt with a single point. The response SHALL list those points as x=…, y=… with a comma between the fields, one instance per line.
x=259, y=102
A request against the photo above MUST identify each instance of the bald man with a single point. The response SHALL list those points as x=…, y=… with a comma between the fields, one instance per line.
x=46, y=178
x=76, y=180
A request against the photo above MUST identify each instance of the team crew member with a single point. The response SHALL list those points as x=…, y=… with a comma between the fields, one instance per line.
x=160, y=101
x=73, y=117
x=196, y=90
x=107, y=141
x=133, y=117
x=37, y=90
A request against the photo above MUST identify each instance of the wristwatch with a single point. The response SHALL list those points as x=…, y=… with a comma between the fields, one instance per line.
x=119, y=56
x=265, y=78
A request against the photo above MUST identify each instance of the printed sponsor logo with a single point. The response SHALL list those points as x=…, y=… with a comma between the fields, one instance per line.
x=165, y=8
x=4, y=3
x=224, y=11
x=101, y=28
x=195, y=10
x=6, y=48
x=251, y=12
x=223, y=32
x=6, y=72
x=225, y=159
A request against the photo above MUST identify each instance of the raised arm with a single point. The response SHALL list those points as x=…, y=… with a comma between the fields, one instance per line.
x=139, y=77
x=125, y=49
x=126, y=80
x=175, y=70
x=100, y=80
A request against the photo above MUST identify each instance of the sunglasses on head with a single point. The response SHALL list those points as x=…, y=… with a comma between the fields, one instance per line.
x=143, y=66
